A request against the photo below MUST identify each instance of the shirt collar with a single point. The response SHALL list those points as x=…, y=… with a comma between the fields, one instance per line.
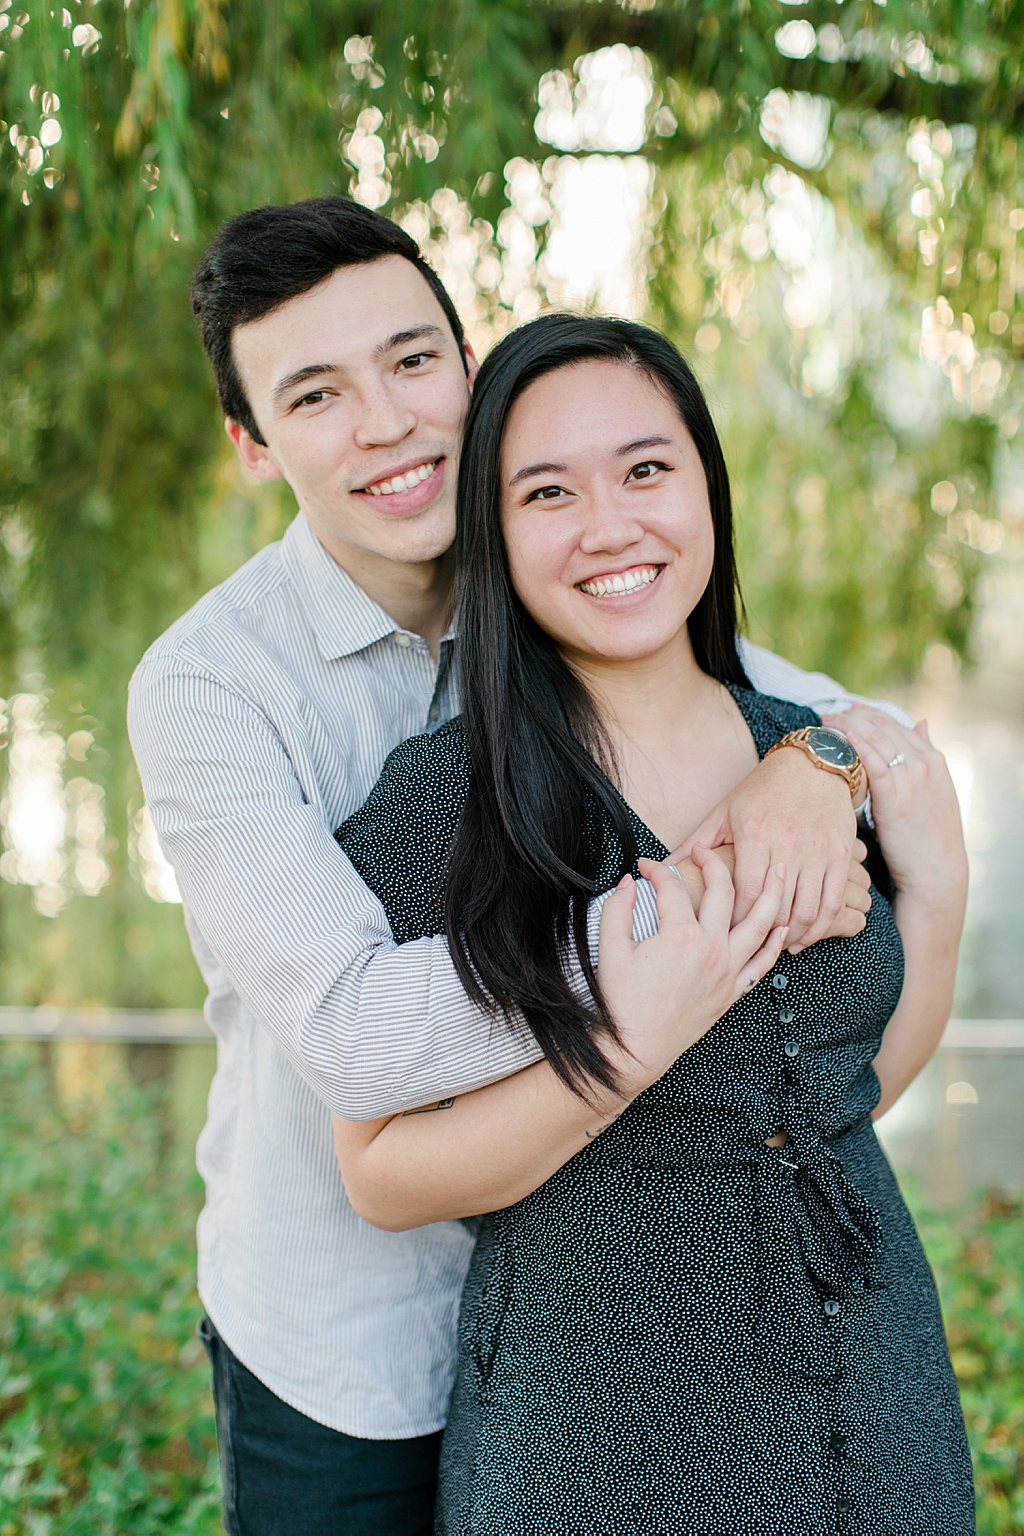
x=343, y=617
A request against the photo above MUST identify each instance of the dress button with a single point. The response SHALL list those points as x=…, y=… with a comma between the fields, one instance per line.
x=831, y=1307
x=786, y=1015
x=780, y=983
x=843, y=1506
x=403, y=640
x=837, y=1442
x=791, y=1049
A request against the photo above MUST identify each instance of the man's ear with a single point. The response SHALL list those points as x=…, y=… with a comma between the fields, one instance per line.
x=472, y=366
x=255, y=456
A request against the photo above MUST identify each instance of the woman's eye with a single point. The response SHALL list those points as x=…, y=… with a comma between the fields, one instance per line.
x=545, y=493
x=645, y=470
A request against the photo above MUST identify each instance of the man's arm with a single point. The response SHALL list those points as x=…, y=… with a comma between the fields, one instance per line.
x=778, y=677
x=372, y=1027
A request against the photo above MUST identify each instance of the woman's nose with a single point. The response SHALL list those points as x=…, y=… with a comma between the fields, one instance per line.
x=609, y=527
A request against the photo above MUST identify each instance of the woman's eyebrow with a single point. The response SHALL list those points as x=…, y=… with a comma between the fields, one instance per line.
x=642, y=442
x=536, y=469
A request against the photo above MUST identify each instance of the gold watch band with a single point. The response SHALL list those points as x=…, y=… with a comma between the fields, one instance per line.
x=799, y=739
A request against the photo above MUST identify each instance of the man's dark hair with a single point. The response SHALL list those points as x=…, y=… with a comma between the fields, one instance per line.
x=526, y=856
x=263, y=258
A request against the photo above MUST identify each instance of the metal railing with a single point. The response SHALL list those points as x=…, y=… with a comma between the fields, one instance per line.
x=141, y=1026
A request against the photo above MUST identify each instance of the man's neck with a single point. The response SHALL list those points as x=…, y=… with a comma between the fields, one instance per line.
x=419, y=596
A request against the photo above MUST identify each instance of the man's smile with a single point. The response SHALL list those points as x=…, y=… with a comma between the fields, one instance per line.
x=411, y=489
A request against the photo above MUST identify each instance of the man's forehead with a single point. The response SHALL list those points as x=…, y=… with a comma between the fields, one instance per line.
x=359, y=313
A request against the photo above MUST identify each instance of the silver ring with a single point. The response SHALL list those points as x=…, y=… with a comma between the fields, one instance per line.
x=675, y=871
x=895, y=762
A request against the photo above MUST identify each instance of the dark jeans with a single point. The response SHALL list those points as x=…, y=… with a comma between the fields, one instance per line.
x=286, y=1475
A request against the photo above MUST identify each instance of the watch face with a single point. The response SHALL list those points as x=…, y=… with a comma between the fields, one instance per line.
x=831, y=747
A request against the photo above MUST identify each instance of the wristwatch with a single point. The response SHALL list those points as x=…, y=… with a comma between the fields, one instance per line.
x=829, y=750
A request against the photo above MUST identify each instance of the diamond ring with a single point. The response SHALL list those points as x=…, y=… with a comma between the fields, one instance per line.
x=895, y=762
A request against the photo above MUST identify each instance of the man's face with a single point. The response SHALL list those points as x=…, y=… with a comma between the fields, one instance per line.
x=359, y=389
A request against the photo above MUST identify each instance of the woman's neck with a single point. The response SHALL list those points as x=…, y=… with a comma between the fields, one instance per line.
x=680, y=742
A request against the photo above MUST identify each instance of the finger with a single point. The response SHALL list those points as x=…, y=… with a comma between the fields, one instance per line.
x=848, y=924
x=857, y=896
x=716, y=906
x=881, y=775
x=860, y=853
x=833, y=895
x=750, y=934
x=759, y=964
x=753, y=861
x=921, y=729
x=713, y=830
x=807, y=899
x=675, y=909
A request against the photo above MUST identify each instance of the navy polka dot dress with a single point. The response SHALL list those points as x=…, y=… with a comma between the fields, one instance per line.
x=685, y=1332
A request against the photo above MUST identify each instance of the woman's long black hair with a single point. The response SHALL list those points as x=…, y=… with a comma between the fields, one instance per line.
x=524, y=860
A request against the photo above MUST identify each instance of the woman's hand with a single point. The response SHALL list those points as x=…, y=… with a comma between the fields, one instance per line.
x=666, y=992
x=917, y=817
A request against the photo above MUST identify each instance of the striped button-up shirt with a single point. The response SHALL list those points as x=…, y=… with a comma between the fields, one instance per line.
x=260, y=721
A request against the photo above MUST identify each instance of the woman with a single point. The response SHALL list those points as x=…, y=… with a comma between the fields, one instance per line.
x=716, y=1318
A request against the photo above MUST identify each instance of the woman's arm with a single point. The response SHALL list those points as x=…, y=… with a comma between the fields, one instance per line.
x=488, y=1149
x=921, y=837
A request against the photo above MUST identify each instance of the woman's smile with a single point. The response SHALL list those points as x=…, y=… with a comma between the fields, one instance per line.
x=616, y=586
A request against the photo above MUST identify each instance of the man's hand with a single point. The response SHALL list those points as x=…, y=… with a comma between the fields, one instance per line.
x=850, y=919
x=787, y=812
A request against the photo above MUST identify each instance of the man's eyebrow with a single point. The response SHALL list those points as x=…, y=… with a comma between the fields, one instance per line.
x=643, y=442
x=290, y=380
x=536, y=469
x=414, y=333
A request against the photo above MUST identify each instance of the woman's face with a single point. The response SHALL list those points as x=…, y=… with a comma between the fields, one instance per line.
x=605, y=512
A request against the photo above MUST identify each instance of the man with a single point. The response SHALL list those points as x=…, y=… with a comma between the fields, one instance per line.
x=260, y=721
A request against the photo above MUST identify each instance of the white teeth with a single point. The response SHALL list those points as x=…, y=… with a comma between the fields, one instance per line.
x=625, y=581
x=399, y=483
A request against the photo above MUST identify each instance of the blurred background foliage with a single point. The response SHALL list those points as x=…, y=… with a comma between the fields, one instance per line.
x=821, y=202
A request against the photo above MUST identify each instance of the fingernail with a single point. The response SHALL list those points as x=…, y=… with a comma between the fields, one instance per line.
x=796, y=949
x=626, y=880
x=780, y=870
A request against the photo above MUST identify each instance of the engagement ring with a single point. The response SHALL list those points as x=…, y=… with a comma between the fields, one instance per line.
x=895, y=762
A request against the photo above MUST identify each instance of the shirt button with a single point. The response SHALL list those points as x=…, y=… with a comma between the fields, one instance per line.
x=404, y=641
x=837, y=1442
x=831, y=1307
x=791, y=1049
x=780, y=983
x=434, y=712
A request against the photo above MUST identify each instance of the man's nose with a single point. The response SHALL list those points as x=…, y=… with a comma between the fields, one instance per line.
x=383, y=417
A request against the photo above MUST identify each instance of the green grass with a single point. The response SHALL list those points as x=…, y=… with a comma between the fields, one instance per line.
x=106, y=1423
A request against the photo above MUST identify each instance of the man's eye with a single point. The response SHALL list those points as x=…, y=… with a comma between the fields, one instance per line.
x=416, y=359
x=313, y=398
x=545, y=493
x=645, y=470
